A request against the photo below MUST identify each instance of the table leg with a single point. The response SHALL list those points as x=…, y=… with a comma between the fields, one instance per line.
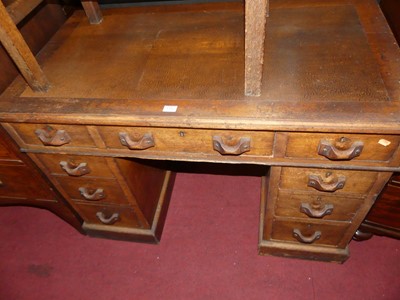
x=93, y=11
x=256, y=13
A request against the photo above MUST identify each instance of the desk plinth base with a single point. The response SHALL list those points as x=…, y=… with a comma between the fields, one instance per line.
x=286, y=249
x=121, y=234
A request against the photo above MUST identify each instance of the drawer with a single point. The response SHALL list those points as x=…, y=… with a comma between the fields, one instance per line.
x=54, y=135
x=19, y=182
x=93, y=190
x=5, y=153
x=341, y=146
x=74, y=165
x=327, y=180
x=113, y=216
x=309, y=205
x=189, y=140
x=329, y=234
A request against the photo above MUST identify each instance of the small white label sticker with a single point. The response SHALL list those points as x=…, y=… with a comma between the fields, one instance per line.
x=384, y=142
x=170, y=108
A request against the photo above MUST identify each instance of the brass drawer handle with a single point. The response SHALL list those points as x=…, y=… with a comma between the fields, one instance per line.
x=306, y=239
x=73, y=169
x=242, y=146
x=92, y=195
x=316, y=210
x=340, y=149
x=52, y=137
x=1, y=183
x=144, y=142
x=107, y=220
x=328, y=183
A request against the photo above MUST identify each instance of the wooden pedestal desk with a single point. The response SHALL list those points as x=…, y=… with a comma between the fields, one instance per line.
x=155, y=84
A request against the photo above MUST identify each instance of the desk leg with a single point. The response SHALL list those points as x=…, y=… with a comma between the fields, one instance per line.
x=256, y=18
x=93, y=11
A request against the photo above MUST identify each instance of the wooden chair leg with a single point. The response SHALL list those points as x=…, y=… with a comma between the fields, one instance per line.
x=256, y=12
x=19, y=51
x=93, y=11
x=18, y=10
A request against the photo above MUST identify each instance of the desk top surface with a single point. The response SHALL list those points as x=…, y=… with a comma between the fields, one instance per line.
x=329, y=66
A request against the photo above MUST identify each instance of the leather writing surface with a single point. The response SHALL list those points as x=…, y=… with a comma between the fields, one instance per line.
x=320, y=54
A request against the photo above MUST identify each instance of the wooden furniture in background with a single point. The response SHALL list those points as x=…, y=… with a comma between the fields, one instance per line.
x=383, y=219
x=21, y=181
x=16, y=46
x=36, y=30
x=154, y=84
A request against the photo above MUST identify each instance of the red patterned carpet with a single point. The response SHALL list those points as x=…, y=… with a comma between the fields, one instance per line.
x=208, y=251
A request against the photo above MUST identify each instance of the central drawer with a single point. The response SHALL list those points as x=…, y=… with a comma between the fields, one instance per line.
x=140, y=141
x=217, y=142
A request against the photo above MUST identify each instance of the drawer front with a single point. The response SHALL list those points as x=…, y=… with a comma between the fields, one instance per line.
x=327, y=180
x=309, y=233
x=311, y=206
x=189, y=140
x=4, y=152
x=342, y=146
x=96, y=190
x=113, y=216
x=19, y=182
x=77, y=166
x=54, y=135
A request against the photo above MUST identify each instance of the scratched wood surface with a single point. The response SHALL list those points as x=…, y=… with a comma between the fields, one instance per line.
x=325, y=62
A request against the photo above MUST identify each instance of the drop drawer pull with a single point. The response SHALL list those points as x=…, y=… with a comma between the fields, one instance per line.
x=306, y=239
x=242, y=146
x=316, y=211
x=1, y=183
x=107, y=220
x=328, y=183
x=73, y=169
x=52, y=137
x=91, y=195
x=340, y=149
x=144, y=142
